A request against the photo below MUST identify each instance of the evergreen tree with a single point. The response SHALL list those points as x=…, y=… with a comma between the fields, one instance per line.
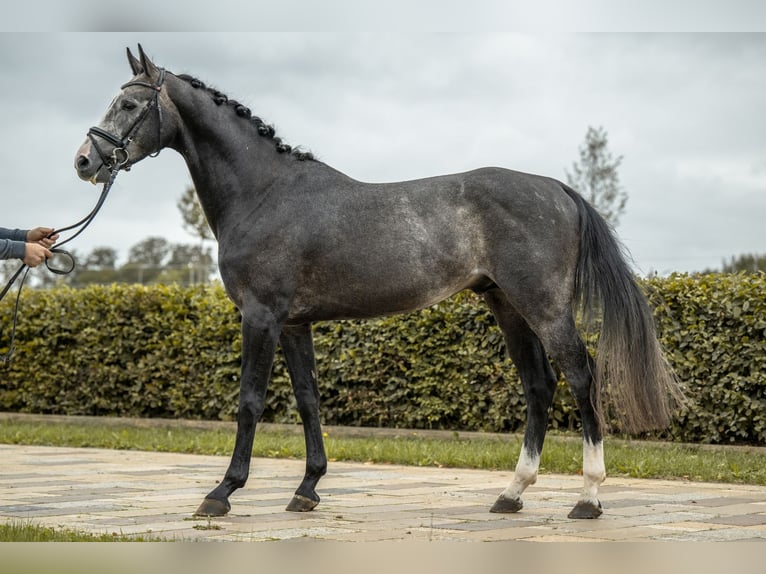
x=750, y=263
x=595, y=176
x=194, y=220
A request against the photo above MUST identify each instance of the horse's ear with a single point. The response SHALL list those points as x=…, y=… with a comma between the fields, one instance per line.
x=146, y=64
x=135, y=65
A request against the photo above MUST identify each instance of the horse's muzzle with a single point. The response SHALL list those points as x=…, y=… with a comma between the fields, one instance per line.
x=90, y=168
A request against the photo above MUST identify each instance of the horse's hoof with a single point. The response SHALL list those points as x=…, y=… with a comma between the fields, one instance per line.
x=505, y=505
x=301, y=503
x=585, y=509
x=213, y=507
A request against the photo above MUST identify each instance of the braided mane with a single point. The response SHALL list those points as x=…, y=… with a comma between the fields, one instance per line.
x=243, y=111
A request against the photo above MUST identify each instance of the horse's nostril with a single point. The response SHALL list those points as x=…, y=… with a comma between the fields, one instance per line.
x=82, y=162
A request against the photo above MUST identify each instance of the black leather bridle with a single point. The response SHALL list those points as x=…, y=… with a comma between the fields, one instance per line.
x=120, y=160
x=120, y=157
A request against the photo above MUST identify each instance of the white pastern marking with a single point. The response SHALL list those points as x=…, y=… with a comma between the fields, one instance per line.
x=593, y=470
x=525, y=474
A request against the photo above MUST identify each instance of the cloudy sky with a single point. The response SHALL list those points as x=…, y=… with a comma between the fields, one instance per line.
x=686, y=112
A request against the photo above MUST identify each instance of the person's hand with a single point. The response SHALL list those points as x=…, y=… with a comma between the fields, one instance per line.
x=35, y=253
x=40, y=235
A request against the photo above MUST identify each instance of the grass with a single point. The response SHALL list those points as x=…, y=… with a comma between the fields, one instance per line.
x=562, y=453
x=26, y=531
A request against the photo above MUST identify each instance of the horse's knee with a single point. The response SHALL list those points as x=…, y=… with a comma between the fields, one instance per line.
x=251, y=406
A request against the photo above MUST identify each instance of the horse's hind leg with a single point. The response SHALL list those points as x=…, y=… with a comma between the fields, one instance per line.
x=298, y=347
x=568, y=350
x=539, y=382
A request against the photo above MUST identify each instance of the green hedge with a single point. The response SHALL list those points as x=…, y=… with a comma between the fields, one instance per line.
x=713, y=328
x=169, y=351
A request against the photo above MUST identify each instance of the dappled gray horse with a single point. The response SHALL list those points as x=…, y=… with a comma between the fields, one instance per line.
x=301, y=242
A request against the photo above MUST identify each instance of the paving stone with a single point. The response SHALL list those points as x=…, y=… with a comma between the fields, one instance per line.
x=740, y=520
x=135, y=493
x=723, y=535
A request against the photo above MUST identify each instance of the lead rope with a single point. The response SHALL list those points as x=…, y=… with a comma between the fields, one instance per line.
x=82, y=224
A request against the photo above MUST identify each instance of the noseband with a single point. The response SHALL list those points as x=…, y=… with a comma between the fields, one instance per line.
x=120, y=158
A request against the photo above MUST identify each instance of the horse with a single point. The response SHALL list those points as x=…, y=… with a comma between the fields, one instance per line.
x=301, y=242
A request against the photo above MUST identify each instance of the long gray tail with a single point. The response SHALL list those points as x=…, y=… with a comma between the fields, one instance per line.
x=630, y=365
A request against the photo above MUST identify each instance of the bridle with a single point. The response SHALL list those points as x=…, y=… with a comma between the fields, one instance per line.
x=120, y=157
x=23, y=270
x=120, y=160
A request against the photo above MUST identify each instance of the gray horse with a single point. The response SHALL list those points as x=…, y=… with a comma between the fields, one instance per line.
x=301, y=242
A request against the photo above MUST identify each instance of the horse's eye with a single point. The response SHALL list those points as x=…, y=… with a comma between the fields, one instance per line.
x=128, y=105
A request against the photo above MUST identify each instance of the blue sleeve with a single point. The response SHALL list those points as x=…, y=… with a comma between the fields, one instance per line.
x=12, y=243
x=14, y=234
x=10, y=249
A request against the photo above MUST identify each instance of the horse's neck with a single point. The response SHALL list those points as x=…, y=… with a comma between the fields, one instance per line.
x=228, y=162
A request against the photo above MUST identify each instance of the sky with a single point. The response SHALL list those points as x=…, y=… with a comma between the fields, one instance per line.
x=684, y=110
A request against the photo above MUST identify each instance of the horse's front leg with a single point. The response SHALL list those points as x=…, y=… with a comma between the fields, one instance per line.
x=298, y=347
x=260, y=332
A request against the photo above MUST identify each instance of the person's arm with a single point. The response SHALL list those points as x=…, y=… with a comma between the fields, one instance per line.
x=30, y=245
x=10, y=249
x=14, y=234
x=12, y=244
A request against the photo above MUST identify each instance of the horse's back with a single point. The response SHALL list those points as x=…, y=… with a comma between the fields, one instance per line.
x=395, y=247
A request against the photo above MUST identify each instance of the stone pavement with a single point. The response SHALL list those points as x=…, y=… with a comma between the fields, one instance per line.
x=129, y=492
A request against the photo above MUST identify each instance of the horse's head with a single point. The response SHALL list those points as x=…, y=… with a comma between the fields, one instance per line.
x=132, y=128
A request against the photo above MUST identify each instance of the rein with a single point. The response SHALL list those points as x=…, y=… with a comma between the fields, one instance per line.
x=82, y=224
x=120, y=159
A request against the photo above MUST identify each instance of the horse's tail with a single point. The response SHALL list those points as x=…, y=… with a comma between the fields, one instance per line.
x=640, y=384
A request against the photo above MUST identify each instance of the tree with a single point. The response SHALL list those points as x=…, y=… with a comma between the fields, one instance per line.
x=194, y=220
x=7, y=270
x=150, y=251
x=101, y=258
x=99, y=267
x=595, y=176
x=749, y=263
x=188, y=264
x=199, y=260
x=145, y=260
x=185, y=254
